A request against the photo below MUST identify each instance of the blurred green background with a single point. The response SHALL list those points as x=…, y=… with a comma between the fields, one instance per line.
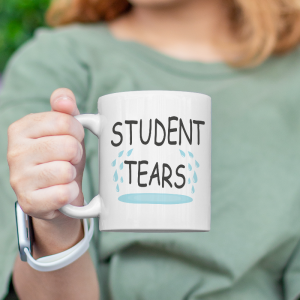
x=18, y=20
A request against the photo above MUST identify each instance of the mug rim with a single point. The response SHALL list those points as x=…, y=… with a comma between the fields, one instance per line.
x=155, y=92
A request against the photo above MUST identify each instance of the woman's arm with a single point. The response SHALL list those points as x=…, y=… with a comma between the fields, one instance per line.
x=46, y=160
x=76, y=281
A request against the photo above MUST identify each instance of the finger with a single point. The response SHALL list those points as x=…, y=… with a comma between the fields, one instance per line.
x=58, y=148
x=44, y=201
x=63, y=100
x=50, y=174
x=50, y=123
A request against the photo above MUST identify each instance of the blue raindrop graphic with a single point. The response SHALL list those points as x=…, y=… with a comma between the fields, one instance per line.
x=129, y=152
x=182, y=153
x=117, y=188
x=115, y=177
x=121, y=166
x=120, y=154
x=191, y=154
x=193, y=190
x=197, y=164
x=189, y=181
x=195, y=178
x=114, y=163
x=189, y=167
x=121, y=179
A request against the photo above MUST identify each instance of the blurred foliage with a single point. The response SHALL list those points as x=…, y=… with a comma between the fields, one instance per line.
x=18, y=20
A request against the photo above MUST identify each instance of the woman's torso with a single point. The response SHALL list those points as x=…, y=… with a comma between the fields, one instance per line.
x=255, y=168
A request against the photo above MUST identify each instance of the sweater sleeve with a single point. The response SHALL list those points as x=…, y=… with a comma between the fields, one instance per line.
x=45, y=63
x=291, y=279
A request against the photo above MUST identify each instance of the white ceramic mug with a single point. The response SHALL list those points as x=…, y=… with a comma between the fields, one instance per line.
x=154, y=162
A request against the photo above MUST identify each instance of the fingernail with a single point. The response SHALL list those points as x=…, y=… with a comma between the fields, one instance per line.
x=79, y=154
x=63, y=98
x=74, y=191
x=74, y=172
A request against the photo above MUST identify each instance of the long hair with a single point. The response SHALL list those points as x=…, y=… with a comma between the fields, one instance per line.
x=261, y=27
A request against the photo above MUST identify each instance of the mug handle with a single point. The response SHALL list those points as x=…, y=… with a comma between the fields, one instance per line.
x=95, y=124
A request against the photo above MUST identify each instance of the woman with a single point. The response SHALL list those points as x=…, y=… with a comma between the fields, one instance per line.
x=226, y=49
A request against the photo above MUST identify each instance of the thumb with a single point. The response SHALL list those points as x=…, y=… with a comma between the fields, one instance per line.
x=63, y=100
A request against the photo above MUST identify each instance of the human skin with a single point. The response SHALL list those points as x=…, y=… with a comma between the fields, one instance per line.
x=46, y=152
x=195, y=30
x=46, y=160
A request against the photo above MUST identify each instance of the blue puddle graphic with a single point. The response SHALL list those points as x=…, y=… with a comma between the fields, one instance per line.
x=121, y=179
x=115, y=177
x=129, y=152
x=120, y=154
x=121, y=166
x=197, y=164
x=114, y=163
x=190, y=154
x=189, y=167
x=193, y=190
x=155, y=198
x=117, y=188
x=189, y=181
x=182, y=153
x=195, y=178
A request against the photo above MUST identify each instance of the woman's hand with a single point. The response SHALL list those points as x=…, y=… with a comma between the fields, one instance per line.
x=46, y=160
